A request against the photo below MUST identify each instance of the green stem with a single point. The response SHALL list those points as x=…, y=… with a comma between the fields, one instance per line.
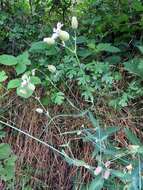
x=140, y=175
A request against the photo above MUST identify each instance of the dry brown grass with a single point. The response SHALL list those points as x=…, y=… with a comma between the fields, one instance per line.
x=46, y=169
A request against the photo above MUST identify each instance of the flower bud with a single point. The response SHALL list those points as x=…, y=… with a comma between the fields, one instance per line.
x=106, y=174
x=39, y=110
x=129, y=167
x=98, y=170
x=49, y=41
x=107, y=164
x=33, y=72
x=52, y=68
x=74, y=22
x=63, y=35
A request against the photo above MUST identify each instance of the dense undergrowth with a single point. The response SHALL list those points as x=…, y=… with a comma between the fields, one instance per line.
x=71, y=95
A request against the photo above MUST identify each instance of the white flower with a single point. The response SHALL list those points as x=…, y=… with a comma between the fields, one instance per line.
x=25, y=77
x=55, y=36
x=33, y=72
x=57, y=32
x=107, y=164
x=63, y=35
x=27, y=83
x=24, y=83
x=49, y=41
x=58, y=29
x=74, y=22
x=25, y=80
x=52, y=68
x=39, y=110
x=37, y=98
x=79, y=132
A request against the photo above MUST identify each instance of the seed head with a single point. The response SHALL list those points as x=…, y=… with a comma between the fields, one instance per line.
x=63, y=35
x=49, y=41
x=74, y=22
x=39, y=110
x=52, y=68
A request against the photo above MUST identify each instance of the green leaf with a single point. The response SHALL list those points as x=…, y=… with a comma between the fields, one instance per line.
x=96, y=184
x=5, y=151
x=131, y=137
x=8, y=171
x=42, y=47
x=3, y=76
x=81, y=40
x=94, y=122
x=108, y=132
x=2, y=134
x=22, y=61
x=46, y=100
x=107, y=47
x=24, y=58
x=140, y=150
x=38, y=46
x=140, y=48
x=84, y=53
x=122, y=175
x=113, y=59
x=27, y=188
x=24, y=92
x=20, y=68
x=14, y=83
x=133, y=66
x=58, y=98
x=8, y=60
x=35, y=80
x=11, y=160
x=140, y=66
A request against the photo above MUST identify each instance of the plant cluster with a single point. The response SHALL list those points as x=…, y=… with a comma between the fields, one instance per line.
x=98, y=58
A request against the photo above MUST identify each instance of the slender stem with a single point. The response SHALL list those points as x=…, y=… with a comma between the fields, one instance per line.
x=32, y=137
x=42, y=142
x=78, y=61
x=66, y=47
x=71, y=103
x=75, y=40
x=140, y=175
